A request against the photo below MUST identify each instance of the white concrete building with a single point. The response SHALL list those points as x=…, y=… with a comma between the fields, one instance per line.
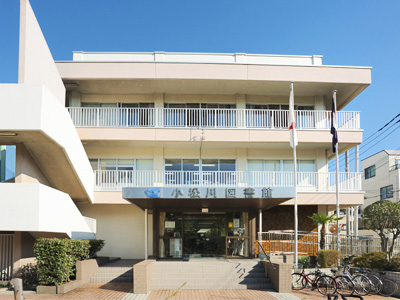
x=381, y=177
x=172, y=155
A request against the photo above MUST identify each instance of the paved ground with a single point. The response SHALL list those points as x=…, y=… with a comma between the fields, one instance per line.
x=315, y=295
x=122, y=291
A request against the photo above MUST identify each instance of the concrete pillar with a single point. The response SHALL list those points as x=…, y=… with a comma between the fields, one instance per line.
x=346, y=158
x=158, y=100
x=241, y=159
x=348, y=221
x=356, y=220
x=260, y=224
x=146, y=250
x=356, y=159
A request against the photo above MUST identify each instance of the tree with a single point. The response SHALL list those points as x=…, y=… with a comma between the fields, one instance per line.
x=321, y=219
x=383, y=217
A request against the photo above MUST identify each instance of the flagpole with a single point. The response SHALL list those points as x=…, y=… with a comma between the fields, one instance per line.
x=296, y=253
x=294, y=144
x=337, y=180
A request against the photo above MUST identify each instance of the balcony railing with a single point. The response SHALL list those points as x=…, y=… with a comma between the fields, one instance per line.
x=306, y=181
x=208, y=118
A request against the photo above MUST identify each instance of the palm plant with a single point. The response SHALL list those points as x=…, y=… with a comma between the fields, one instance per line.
x=321, y=219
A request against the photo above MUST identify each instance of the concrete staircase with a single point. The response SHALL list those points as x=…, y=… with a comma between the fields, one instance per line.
x=209, y=275
x=120, y=270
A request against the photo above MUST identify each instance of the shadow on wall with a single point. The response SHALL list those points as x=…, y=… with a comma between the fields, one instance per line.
x=82, y=235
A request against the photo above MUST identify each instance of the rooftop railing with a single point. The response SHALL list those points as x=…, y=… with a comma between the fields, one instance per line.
x=208, y=118
x=306, y=181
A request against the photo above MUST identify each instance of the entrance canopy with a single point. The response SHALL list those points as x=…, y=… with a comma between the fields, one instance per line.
x=219, y=198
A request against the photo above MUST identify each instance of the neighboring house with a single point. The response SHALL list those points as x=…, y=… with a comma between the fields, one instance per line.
x=380, y=180
x=381, y=177
x=173, y=155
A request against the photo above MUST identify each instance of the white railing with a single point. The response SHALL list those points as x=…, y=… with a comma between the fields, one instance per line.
x=306, y=181
x=208, y=118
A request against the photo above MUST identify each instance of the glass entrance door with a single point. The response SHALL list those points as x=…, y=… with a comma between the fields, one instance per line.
x=204, y=235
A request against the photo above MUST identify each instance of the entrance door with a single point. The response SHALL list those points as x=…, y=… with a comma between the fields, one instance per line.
x=204, y=235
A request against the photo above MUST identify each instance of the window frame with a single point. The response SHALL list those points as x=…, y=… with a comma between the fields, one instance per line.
x=388, y=192
x=368, y=173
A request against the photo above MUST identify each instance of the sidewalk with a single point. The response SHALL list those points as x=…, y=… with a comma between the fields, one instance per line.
x=123, y=291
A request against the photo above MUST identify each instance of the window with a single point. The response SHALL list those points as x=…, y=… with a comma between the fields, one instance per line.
x=397, y=164
x=187, y=171
x=190, y=115
x=369, y=172
x=277, y=116
x=387, y=192
x=258, y=166
x=7, y=162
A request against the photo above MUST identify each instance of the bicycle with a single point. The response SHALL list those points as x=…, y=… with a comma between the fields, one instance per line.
x=323, y=283
x=345, y=285
x=389, y=287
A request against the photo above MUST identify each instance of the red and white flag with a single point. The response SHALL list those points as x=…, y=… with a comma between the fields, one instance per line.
x=292, y=119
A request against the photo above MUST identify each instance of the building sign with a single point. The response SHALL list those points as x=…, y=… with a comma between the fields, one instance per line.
x=207, y=192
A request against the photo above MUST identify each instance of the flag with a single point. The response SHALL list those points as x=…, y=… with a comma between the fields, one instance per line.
x=334, y=125
x=292, y=120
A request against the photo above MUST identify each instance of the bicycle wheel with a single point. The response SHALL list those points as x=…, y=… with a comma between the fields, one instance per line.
x=326, y=285
x=299, y=282
x=376, y=284
x=345, y=285
x=389, y=287
x=362, y=285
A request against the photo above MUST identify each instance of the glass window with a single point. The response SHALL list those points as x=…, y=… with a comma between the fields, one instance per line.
x=369, y=172
x=173, y=165
x=255, y=165
x=306, y=165
x=272, y=165
x=209, y=164
x=387, y=192
x=144, y=164
x=108, y=164
x=191, y=165
x=227, y=165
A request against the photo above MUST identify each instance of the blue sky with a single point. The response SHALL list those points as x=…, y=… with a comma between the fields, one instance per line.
x=357, y=33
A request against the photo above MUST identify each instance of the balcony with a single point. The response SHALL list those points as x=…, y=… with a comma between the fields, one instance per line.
x=208, y=118
x=306, y=181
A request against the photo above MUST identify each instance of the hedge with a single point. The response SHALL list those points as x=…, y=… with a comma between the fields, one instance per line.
x=327, y=258
x=95, y=246
x=56, y=259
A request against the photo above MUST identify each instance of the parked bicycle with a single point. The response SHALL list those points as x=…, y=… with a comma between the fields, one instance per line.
x=318, y=280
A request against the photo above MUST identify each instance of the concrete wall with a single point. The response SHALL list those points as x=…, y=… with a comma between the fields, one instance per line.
x=38, y=208
x=36, y=64
x=26, y=168
x=122, y=228
x=34, y=110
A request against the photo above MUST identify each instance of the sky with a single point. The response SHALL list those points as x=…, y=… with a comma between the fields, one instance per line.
x=353, y=33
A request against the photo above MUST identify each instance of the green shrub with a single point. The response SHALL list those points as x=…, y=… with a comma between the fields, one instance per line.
x=372, y=260
x=56, y=259
x=304, y=261
x=95, y=246
x=326, y=258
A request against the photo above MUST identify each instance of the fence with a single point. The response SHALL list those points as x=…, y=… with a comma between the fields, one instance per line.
x=308, y=243
x=208, y=118
x=6, y=256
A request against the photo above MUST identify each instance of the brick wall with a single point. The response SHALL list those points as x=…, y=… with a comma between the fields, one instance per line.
x=281, y=217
